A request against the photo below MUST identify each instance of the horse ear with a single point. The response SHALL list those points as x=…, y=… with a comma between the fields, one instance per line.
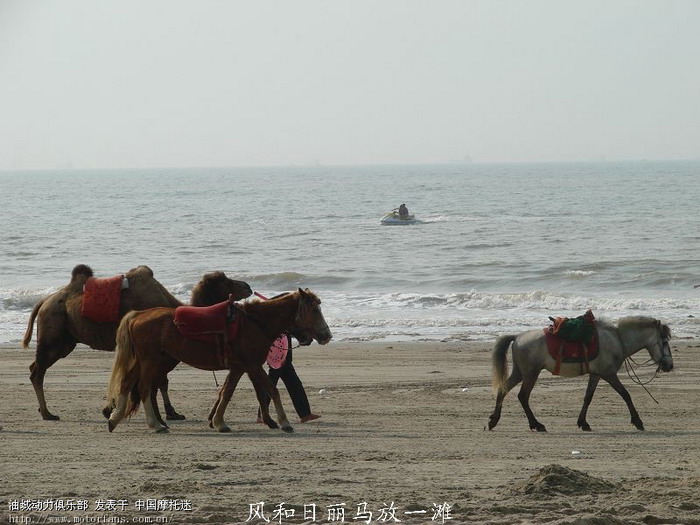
x=301, y=292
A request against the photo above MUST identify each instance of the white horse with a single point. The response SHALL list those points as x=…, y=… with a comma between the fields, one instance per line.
x=530, y=357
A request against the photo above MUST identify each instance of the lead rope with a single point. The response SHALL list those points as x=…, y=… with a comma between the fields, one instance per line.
x=636, y=380
x=630, y=371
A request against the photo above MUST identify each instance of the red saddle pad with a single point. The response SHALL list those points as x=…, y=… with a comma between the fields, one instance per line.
x=193, y=320
x=101, y=299
x=571, y=351
x=205, y=323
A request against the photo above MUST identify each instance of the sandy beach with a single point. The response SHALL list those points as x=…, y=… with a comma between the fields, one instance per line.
x=401, y=436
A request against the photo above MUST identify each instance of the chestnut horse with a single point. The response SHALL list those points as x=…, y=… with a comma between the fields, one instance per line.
x=148, y=343
x=617, y=343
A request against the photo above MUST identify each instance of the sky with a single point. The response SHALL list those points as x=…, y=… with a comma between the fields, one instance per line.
x=143, y=84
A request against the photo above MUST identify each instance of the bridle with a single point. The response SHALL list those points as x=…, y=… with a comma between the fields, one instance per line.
x=629, y=362
x=302, y=320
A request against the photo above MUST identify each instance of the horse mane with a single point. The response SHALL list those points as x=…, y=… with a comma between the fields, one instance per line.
x=637, y=320
x=255, y=305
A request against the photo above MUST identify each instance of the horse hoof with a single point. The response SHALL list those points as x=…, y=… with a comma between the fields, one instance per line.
x=288, y=430
x=539, y=428
x=585, y=427
x=50, y=417
x=272, y=424
x=211, y=425
x=111, y=426
x=225, y=429
x=174, y=417
x=162, y=430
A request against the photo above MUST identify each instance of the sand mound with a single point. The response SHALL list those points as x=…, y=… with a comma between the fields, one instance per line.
x=555, y=479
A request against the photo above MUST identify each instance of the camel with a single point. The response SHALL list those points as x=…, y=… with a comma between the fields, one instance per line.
x=60, y=325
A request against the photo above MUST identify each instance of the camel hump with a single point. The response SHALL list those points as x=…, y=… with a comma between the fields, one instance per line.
x=146, y=292
x=81, y=270
x=140, y=273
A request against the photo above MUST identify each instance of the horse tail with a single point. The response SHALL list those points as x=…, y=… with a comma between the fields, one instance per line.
x=499, y=360
x=124, y=362
x=30, y=326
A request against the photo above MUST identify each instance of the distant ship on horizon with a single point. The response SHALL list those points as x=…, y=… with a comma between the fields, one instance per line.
x=464, y=160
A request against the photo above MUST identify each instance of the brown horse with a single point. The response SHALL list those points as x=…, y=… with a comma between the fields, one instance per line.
x=60, y=325
x=149, y=343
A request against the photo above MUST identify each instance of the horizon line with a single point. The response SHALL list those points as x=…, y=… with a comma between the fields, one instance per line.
x=312, y=165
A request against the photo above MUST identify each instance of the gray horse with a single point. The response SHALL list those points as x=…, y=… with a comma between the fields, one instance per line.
x=530, y=357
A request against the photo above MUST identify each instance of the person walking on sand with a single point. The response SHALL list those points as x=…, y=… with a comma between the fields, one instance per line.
x=294, y=386
x=280, y=361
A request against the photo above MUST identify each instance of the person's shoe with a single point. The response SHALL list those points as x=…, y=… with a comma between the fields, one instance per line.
x=308, y=418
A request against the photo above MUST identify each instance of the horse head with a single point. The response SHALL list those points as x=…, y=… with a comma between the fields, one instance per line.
x=302, y=335
x=309, y=319
x=660, y=350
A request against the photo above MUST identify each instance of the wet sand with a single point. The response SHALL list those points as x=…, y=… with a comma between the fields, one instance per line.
x=402, y=431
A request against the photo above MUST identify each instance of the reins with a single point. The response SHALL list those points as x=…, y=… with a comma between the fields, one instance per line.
x=636, y=380
x=630, y=363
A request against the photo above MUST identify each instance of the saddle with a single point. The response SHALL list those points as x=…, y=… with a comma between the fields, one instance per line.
x=572, y=341
x=216, y=325
x=102, y=298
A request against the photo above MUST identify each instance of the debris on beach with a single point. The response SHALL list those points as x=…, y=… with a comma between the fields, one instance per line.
x=555, y=479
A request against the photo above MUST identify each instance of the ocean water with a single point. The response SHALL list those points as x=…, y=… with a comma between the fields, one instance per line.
x=499, y=247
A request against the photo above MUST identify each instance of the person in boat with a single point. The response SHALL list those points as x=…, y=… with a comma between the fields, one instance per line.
x=403, y=211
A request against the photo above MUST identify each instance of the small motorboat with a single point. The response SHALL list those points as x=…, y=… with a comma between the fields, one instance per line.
x=393, y=217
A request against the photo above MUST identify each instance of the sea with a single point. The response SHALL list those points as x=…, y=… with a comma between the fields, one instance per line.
x=497, y=249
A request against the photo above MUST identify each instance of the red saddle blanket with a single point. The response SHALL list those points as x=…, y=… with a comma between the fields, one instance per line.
x=565, y=351
x=101, y=299
x=210, y=324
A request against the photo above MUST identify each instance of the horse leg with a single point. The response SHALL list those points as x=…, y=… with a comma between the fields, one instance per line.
x=615, y=382
x=46, y=356
x=224, y=388
x=524, y=397
x=592, y=384
x=216, y=416
x=147, y=383
x=263, y=386
x=119, y=411
x=170, y=412
x=154, y=402
x=216, y=404
x=510, y=383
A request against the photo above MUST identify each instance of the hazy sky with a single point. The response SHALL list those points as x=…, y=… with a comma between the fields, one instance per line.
x=227, y=83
